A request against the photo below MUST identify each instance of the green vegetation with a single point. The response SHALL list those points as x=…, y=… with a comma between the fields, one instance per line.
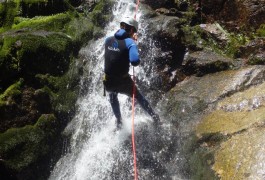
x=261, y=30
x=35, y=1
x=11, y=93
x=200, y=163
x=101, y=13
x=193, y=35
x=234, y=42
x=55, y=22
x=20, y=147
x=62, y=90
x=38, y=45
x=8, y=11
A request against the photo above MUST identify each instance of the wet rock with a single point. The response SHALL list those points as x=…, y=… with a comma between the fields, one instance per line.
x=22, y=148
x=194, y=94
x=158, y=4
x=166, y=39
x=242, y=155
x=236, y=118
x=204, y=62
x=169, y=12
x=216, y=31
x=256, y=46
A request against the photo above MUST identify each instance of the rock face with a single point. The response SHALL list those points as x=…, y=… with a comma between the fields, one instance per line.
x=208, y=65
x=238, y=122
x=224, y=112
x=212, y=94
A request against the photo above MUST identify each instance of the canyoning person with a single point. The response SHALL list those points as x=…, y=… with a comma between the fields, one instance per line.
x=121, y=51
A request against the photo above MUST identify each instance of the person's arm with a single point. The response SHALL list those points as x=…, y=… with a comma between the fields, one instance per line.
x=133, y=52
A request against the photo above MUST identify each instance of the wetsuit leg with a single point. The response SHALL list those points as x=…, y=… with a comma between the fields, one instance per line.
x=147, y=107
x=127, y=88
x=144, y=103
x=115, y=106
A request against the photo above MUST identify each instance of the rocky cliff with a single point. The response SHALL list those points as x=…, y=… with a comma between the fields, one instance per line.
x=209, y=64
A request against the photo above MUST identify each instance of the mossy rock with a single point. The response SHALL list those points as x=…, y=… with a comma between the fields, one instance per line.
x=102, y=12
x=230, y=122
x=234, y=134
x=241, y=156
x=8, y=106
x=55, y=22
x=80, y=30
x=63, y=90
x=31, y=8
x=261, y=30
x=21, y=147
x=26, y=54
x=8, y=11
x=11, y=93
x=258, y=59
x=49, y=54
x=200, y=162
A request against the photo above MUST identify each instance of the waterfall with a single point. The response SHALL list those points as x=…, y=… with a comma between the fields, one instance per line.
x=95, y=150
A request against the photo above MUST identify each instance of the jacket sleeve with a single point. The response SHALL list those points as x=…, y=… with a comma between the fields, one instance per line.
x=133, y=52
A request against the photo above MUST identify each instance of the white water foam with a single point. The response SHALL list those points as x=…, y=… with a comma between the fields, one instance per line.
x=96, y=151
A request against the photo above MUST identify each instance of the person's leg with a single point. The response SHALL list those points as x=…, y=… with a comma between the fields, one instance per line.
x=146, y=106
x=127, y=88
x=115, y=107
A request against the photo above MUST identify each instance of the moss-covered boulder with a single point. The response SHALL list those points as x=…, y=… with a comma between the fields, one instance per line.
x=21, y=148
x=19, y=56
x=40, y=74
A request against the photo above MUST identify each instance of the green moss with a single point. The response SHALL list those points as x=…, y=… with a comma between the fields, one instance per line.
x=8, y=11
x=81, y=30
x=63, y=90
x=49, y=54
x=240, y=155
x=193, y=35
x=104, y=6
x=8, y=61
x=11, y=92
x=102, y=12
x=200, y=159
x=35, y=1
x=224, y=122
x=200, y=162
x=235, y=41
x=20, y=147
x=261, y=30
x=67, y=91
x=255, y=60
x=50, y=23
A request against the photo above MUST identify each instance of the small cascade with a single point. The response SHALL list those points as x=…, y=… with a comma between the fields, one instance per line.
x=95, y=150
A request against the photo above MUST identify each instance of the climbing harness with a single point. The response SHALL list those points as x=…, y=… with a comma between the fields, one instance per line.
x=133, y=103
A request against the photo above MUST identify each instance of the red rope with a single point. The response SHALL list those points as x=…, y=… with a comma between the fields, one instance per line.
x=136, y=8
x=133, y=103
x=133, y=139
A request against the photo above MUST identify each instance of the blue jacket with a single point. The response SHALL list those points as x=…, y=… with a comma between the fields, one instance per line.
x=120, y=52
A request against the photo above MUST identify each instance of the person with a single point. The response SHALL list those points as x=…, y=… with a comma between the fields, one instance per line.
x=121, y=51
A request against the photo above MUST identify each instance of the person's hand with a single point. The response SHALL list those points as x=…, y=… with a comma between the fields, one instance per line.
x=134, y=36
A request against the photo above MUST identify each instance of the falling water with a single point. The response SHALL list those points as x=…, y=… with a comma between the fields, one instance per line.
x=96, y=151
